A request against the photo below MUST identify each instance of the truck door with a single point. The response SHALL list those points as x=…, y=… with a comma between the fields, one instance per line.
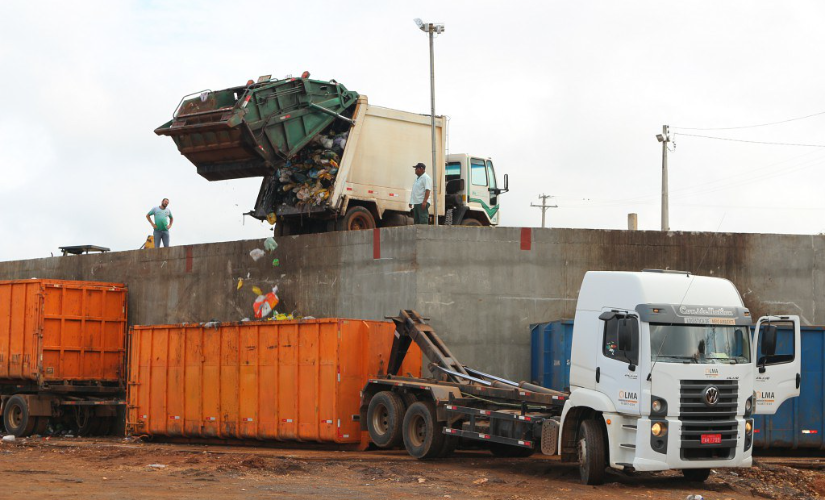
x=617, y=372
x=480, y=186
x=493, y=192
x=776, y=352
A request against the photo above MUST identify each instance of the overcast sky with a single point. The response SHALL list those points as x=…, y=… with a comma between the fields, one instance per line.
x=566, y=97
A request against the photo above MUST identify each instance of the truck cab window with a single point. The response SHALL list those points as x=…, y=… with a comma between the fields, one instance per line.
x=478, y=172
x=452, y=171
x=611, y=346
x=491, y=174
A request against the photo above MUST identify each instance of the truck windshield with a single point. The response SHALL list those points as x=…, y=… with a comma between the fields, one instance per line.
x=702, y=344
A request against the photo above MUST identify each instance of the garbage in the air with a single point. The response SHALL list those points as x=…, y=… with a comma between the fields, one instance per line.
x=271, y=218
x=256, y=254
x=257, y=291
x=276, y=263
x=240, y=283
x=265, y=304
x=270, y=245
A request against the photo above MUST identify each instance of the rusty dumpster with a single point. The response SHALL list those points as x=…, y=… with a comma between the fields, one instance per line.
x=261, y=380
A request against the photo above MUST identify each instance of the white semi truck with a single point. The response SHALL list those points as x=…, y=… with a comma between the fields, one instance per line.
x=664, y=375
x=283, y=130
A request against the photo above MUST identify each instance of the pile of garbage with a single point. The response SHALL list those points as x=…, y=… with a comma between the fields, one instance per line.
x=306, y=179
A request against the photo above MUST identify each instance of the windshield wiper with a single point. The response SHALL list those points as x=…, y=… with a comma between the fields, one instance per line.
x=685, y=358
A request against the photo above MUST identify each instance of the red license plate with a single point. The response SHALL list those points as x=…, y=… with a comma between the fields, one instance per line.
x=711, y=439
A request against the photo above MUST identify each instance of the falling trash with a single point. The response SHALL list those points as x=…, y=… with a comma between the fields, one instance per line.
x=265, y=304
x=271, y=218
x=256, y=254
x=276, y=263
x=270, y=245
x=257, y=291
x=240, y=283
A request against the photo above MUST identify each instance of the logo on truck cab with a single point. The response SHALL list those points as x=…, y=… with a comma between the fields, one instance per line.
x=628, y=397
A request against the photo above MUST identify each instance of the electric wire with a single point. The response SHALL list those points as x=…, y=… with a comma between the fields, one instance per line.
x=752, y=142
x=752, y=126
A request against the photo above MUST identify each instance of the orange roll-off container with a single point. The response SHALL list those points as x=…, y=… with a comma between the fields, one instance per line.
x=262, y=380
x=62, y=335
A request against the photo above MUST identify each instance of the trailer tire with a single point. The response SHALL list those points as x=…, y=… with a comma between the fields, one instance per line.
x=85, y=421
x=355, y=219
x=42, y=426
x=423, y=435
x=505, y=451
x=696, y=475
x=16, y=417
x=385, y=416
x=591, y=452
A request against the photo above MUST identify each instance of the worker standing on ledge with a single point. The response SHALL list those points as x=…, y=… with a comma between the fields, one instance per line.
x=162, y=224
x=420, y=195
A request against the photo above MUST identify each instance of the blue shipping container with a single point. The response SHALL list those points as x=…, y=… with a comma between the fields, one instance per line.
x=798, y=424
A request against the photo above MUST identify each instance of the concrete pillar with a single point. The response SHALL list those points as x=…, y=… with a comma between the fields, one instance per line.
x=632, y=222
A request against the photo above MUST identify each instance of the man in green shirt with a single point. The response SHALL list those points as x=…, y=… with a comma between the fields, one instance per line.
x=162, y=224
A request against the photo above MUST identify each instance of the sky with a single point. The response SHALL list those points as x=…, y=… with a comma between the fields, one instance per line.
x=565, y=97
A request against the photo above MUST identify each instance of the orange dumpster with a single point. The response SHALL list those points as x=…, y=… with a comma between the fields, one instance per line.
x=60, y=334
x=261, y=380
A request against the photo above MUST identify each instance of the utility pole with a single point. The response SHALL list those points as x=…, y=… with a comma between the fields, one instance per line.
x=544, y=206
x=664, y=138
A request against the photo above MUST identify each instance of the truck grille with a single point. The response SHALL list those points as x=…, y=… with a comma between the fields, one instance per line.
x=699, y=418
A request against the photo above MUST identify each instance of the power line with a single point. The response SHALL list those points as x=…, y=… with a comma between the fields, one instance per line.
x=754, y=126
x=752, y=142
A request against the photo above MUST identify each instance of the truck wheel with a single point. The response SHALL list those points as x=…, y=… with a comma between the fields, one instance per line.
x=696, y=475
x=505, y=451
x=591, y=452
x=85, y=421
x=471, y=222
x=105, y=426
x=423, y=436
x=355, y=219
x=384, y=418
x=16, y=417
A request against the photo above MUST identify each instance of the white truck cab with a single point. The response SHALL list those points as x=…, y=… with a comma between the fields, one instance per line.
x=665, y=375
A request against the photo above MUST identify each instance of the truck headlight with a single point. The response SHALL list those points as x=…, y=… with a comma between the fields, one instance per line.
x=748, y=405
x=657, y=406
x=749, y=426
x=658, y=429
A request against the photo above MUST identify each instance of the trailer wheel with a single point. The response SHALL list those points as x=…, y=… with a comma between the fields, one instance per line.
x=696, y=475
x=423, y=436
x=384, y=418
x=42, y=425
x=355, y=219
x=16, y=417
x=105, y=426
x=85, y=421
x=506, y=451
x=591, y=452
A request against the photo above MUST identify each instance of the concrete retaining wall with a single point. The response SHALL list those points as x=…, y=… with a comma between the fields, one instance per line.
x=482, y=287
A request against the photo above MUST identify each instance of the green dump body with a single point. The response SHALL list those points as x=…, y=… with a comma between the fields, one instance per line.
x=249, y=131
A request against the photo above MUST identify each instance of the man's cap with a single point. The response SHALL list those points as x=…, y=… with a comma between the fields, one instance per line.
x=420, y=165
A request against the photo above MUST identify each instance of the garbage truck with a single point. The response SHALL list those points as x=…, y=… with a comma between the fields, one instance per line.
x=329, y=159
x=664, y=375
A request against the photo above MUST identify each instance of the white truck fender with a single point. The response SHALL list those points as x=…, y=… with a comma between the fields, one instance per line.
x=584, y=398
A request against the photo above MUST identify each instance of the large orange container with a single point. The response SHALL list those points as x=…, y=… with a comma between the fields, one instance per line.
x=264, y=380
x=62, y=334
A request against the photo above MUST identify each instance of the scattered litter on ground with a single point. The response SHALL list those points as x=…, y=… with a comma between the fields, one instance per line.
x=156, y=466
x=421, y=480
x=257, y=254
x=8, y=438
x=481, y=480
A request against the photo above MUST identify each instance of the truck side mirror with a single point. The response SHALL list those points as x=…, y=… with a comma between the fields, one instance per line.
x=607, y=315
x=767, y=340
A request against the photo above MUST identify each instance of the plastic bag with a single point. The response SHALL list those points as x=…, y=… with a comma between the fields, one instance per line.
x=265, y=304
x=270, y=245
x=256, y=254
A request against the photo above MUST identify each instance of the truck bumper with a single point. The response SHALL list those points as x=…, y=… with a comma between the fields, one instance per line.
x=647, y=459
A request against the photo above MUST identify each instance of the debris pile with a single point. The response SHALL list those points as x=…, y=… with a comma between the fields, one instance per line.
x=306, y=179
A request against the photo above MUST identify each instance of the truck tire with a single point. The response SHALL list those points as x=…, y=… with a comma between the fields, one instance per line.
x=591, y=452
x=384, y=418
x=355, y=219
x=696, y=475
x=471, y=222
x=423, y=435
x=505, y=451
x=42, y=426
x=16, y=417
x=85, y=421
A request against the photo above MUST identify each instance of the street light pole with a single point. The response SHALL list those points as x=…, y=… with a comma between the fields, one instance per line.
x=664, y=138
x=431, y=28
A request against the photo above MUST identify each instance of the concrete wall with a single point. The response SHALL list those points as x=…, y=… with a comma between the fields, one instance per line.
x=482, y=287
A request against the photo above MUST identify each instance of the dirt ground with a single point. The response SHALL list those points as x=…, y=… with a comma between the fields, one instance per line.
x=116, y=468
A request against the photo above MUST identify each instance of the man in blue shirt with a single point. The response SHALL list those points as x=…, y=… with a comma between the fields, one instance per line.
x=420, y=195
x=162, y=224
